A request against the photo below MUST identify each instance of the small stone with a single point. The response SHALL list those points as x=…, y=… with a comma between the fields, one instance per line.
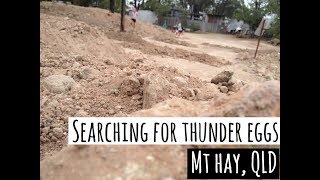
x=46, y=130
x=188, y=93
x=181, y=82
x=168, y=178
x=196, y=91
x=118, y=178
x=118, y=107
x=57, y=132
x=150, y=158
x=136, y=97
x=111, y=112
x=42, y=139
x=223, y=89
x=54, y=139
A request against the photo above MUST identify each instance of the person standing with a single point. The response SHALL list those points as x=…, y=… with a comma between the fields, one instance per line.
x=165, y=24
x=179, y=29
x=134, y=17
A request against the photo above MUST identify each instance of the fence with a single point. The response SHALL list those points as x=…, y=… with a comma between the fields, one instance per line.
x=186, y=22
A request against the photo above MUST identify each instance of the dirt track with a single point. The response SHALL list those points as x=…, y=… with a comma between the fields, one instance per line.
x=106, y=71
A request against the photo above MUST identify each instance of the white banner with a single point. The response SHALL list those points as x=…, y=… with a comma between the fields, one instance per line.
x=174, y=130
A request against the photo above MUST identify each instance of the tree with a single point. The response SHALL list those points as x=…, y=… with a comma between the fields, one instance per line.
x=84, y=3
x=273, y=7
x=253, y=13
x=161, y=8
x=123, y=5
x=112, y=6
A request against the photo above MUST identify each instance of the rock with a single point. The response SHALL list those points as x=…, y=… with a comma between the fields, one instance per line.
x=156, y=88
x=136, y=97
x=45, y=130
x=235, y=85
x=224, y=76
x=87, y=73
x=130, y=86
x=76, y=65
x=196, y=91
x=50, y=135
x=111, y=112
x=54, y=139
x=168, y=178
x=150, y=158
x=223, y=89
x=57, y=132
x=275, y=41
x=188, y=93
x=254, y=99
x=207, y=92
x=81, y=113
x=231, y=82
x=224, y=84
x=58, y=83
x=43, y=139
x=141, y=78
x=180, y=81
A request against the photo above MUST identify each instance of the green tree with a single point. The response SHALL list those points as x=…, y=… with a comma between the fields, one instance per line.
x=273, y=7
x=84, y=3
x=253, y=13
x=161, y=8
x=106, y=4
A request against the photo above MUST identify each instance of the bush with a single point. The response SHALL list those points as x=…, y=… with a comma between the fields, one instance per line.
x=84, y=3
x=275, y=29
x=193, y=27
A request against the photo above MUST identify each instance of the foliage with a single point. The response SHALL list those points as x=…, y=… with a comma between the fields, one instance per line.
x=105, y=4
x=193, y=27
x=161, y=8
x=84, y=3
x=256, y=10
x=274, y=30
x=251, y=14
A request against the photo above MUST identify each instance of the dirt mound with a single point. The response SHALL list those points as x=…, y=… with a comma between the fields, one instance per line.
x=266, y=64
x=103, y=19
x=107, y=83
x=172, y=40
x=149, y=48
x=165, y=83
x=257, y=100
x=133, y=41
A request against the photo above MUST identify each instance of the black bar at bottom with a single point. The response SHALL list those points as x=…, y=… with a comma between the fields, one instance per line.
x=233, y=164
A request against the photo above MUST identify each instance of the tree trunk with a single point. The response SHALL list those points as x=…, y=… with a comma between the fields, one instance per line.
x=123, y=4
x=112, y=6
x=135, y=3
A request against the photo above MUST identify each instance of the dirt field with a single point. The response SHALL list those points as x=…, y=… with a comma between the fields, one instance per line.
x=89, y=68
